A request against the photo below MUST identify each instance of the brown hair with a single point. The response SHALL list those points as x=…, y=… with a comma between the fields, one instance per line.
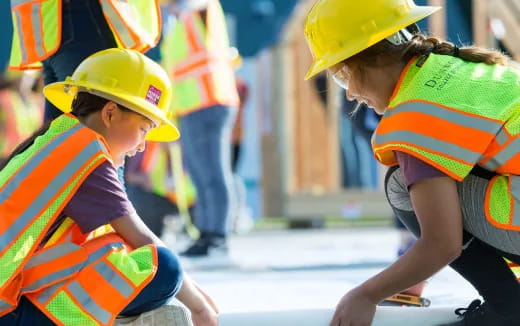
x=421, y=45
x=385, y=52
x=83, y=105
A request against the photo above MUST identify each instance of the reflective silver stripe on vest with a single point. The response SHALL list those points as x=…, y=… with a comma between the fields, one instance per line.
x=37, y=28
x=114, y=278
x=85, y=301
x=469, y=121
x=515, y=193
x=52, y=253
x=103, y=251
x=15, y=3
x=118, y=24
x=47, y=293
x=4, y=305
x=45, y=197
x=21, y=35
x=29, y=166
x=504, y=155
x=452, y=150
x=502, y=137
x=53, y=277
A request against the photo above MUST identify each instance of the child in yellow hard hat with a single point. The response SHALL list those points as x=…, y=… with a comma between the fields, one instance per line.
x=450, y=130
x=74, y=250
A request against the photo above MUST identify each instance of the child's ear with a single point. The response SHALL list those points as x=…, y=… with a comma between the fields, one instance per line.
x=108, y=113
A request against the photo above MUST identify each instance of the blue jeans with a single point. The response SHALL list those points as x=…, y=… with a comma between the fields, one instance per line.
x=84, y=32
x=206, y=148
x=165, y=284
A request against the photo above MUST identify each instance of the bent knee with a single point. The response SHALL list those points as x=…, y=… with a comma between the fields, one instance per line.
x=169, y=271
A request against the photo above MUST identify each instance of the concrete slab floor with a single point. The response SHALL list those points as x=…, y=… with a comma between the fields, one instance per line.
x=312, y=269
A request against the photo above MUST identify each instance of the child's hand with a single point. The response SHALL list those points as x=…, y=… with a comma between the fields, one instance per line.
x=205, y=317
x=209, y=300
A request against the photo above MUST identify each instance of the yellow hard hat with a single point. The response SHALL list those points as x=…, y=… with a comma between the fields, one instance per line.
x=126, y=77
x=338, y=29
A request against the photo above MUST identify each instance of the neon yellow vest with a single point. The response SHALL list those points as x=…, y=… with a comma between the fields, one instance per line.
x=136, y=24
x=454, y=115
x=198, y=57
x=76, y=279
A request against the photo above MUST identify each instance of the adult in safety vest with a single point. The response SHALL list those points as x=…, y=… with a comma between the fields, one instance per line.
x=61, y=33
x=450, y=130
x=74, y=252
x=197, y=54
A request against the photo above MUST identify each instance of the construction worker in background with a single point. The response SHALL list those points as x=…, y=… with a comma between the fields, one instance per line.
x=196, y=53
x=74, y=250
x=450, y=127
x=59, y=34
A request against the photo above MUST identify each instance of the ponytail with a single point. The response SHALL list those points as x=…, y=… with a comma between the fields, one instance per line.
x=422, y=45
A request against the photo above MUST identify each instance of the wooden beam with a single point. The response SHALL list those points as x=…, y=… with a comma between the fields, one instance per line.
x=481, y=23
x=437, y=21
x=506, y=12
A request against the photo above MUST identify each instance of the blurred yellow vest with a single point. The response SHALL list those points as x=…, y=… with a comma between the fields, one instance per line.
x=197, y=54
x=136, y=24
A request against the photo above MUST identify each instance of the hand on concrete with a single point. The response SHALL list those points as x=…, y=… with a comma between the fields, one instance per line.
x=205, y=317
x=354, y=309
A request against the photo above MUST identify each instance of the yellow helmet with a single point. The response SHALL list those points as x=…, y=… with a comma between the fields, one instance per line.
x=126, y=77
x=338, y=29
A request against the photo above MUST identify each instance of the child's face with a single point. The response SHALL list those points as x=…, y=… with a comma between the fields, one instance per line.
x=125, y=134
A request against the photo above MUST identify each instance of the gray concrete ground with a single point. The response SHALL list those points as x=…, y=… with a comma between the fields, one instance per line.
x=292, y=270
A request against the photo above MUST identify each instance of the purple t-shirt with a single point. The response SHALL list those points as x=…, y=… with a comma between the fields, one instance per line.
x=98, y=200
x=415, y=170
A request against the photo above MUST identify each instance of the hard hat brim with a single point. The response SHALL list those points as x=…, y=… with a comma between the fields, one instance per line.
x=61, y=95
x=359, y=44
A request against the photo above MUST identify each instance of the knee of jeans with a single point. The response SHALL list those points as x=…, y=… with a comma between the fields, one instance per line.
x=169, y=271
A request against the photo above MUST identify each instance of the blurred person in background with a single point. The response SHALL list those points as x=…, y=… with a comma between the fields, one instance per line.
x=449, y=129
x=196, y=53
x=151, y=188
x=57, y=36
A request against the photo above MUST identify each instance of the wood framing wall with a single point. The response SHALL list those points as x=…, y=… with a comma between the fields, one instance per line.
x=504, y=15
x=311, y=127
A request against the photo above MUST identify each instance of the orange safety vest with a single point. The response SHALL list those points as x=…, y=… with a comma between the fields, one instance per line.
x=136, y=24
x=454, y=115
x=197, y=52
x=75, y=279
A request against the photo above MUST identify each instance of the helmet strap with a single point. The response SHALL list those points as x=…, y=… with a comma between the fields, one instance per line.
x=400, y=37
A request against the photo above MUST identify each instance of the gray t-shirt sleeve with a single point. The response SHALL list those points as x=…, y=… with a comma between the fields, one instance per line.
x=99, y=200
x=414, y=169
